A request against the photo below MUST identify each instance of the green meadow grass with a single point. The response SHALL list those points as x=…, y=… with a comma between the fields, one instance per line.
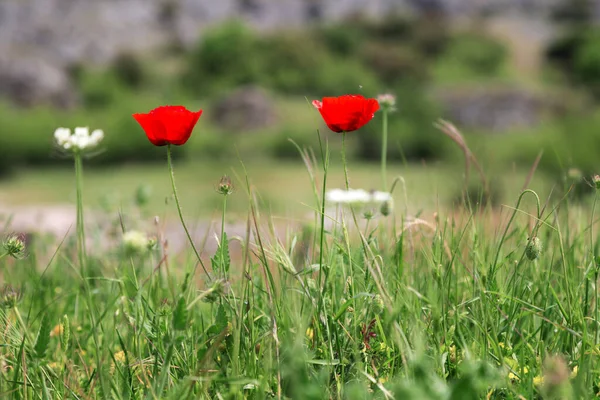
x=431, y=302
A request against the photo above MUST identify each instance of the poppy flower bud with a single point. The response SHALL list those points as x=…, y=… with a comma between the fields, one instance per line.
x=386, y=208
x=225, y=186
x=533, y=248
x=596, y=181
x=14, y=247
x=387, y=102
x=152, y=244
x=9, y=297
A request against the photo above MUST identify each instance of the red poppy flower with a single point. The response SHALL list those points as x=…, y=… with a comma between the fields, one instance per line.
x=168, y=124
x=346, y=113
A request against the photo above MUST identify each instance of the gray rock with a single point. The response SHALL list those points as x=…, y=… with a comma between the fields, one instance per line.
x=245, y=109
x=497, y=109
x=30, y=81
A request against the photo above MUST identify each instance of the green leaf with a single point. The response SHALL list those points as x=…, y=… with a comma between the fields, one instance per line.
x=221, y=260
x=43, y=338
x=180, y=315
x=221, y=319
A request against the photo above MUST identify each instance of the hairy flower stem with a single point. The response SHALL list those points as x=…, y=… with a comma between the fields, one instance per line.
x=170, y=163
x=384, y=143
x=221, y=247
x=344, y=160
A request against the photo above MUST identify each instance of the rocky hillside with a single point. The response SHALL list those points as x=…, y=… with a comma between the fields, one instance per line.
x=40, y=38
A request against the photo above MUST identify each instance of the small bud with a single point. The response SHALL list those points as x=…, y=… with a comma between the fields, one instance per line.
x=65, y=333
x=225, y=186
x=533, y=248
x=152, y=244
x=387, y=102
x=386, y=208
x=14, y=247
x=596, y=180
x=9, y=297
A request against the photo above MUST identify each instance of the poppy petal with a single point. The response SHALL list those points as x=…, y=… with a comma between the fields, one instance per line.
x=154, y=130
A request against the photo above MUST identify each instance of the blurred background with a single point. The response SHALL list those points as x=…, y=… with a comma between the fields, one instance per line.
x=516, y=76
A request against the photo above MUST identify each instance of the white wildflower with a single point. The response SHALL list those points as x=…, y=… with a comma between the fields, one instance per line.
x=62, y=136
x=79, y=140
x=96, y=137
x=351, y=196
x=82, y=131
x=358, y=197
x=381, y=197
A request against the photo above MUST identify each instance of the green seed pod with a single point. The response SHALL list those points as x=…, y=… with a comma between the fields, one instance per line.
x=533, y=248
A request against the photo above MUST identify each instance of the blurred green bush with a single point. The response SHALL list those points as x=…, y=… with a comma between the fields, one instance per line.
x=471, y=55
x=226, y=57
x=577, y=55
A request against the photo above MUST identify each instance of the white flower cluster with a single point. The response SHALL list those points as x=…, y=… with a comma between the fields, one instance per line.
x=81, y=139
x=357, y=197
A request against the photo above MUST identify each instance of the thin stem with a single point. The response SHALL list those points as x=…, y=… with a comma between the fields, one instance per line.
x=170, y=163
x=384, y=151
x=344, y=160
x=325, y=160
x=593, y=250
x=25, y=330
x=81, y=252
x=221, y=248
x=164, y=375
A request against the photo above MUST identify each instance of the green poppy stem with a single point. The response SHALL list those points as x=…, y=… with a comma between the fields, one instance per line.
x=384, y=144
x=344, y=160
x=187, y=232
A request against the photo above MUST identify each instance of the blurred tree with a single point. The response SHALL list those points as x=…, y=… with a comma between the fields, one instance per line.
x=226, y=57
